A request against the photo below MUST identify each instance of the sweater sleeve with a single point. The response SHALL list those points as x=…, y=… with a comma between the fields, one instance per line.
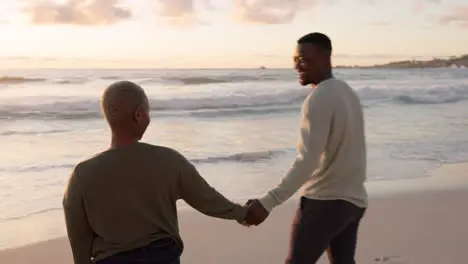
x=317, y=114
x=79, y=231
x=196, y=191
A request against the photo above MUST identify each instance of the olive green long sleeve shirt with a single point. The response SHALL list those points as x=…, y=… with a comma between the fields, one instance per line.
x=125, y=198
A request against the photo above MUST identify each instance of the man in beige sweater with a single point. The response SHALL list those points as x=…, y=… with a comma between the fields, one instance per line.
x=120, y=205
x=330, y=165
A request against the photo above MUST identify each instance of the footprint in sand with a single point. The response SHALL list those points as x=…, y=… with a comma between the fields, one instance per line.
x=389, y=260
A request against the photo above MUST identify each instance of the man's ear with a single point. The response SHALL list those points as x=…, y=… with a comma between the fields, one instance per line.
x=137, y=113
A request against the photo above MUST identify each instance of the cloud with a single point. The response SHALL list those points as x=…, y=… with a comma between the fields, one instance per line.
x=175, y=8
x=180, y=12
x=378, y=23
x=177, y=12
x=78, y=12
x=270, y=11
x=457, y=15
x=420, y=5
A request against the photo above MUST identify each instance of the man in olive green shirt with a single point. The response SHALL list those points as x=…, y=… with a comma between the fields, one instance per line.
x=120, y=205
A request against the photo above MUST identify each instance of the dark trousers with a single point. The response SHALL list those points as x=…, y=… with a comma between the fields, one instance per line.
x=322, y=224
x=164, y=251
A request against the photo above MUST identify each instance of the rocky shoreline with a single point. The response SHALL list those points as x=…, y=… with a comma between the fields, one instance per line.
x=452, y=62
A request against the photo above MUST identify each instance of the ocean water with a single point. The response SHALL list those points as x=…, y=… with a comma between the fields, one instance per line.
x=239, y=127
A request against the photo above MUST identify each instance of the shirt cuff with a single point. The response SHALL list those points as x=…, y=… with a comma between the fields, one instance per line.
x=240, y=212
x=269, y=202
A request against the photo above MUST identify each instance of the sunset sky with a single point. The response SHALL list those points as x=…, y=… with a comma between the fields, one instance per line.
x=224, y=33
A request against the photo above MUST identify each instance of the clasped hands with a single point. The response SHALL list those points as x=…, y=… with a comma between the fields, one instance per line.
x=256, y=213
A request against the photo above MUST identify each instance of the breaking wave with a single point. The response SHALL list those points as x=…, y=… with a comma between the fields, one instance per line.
x=19, y=80
x=287, y=100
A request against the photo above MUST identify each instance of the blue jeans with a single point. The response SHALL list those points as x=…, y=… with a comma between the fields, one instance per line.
x=164, y=251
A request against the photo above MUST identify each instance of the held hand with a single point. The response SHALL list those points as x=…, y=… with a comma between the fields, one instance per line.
x=244, y=223
x=256, y=213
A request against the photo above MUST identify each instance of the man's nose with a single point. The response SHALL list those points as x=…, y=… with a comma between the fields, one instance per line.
x=297, y=65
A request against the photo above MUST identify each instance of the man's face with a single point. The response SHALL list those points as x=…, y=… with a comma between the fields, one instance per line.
x=310, y=64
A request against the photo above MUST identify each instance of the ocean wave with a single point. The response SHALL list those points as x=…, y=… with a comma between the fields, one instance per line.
x=31, y=214
x=415, y=99
x=71, y=80
x=31, y=132
x=163, y=78
x=89, y=108
x=111, y=77
x=243, y=157
x=416, y=96
x=19, y=80
x=227, y=78
x=244, y=111
x=36, y=168
x=287, y=100
x=201, y=77
x=446, y=151
x=287, y=97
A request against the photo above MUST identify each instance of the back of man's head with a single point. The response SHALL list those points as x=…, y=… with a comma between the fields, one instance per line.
x=122, y=104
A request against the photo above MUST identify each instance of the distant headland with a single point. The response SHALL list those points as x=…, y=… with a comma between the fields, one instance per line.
x=452, y=62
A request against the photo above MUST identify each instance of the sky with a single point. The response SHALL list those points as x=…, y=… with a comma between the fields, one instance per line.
x=224, y=33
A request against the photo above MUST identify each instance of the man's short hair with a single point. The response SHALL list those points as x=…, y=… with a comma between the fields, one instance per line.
x=120, y=99
x=317, y=39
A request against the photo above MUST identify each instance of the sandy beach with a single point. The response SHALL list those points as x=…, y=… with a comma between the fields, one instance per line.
x=418, y=221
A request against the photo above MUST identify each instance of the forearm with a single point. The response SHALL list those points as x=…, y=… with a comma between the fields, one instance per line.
x=197, y=192
x=291, y=183
x=81, y=252
x=214, y=204
x=229, y=212
x=79, y=232
x=81, y=240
